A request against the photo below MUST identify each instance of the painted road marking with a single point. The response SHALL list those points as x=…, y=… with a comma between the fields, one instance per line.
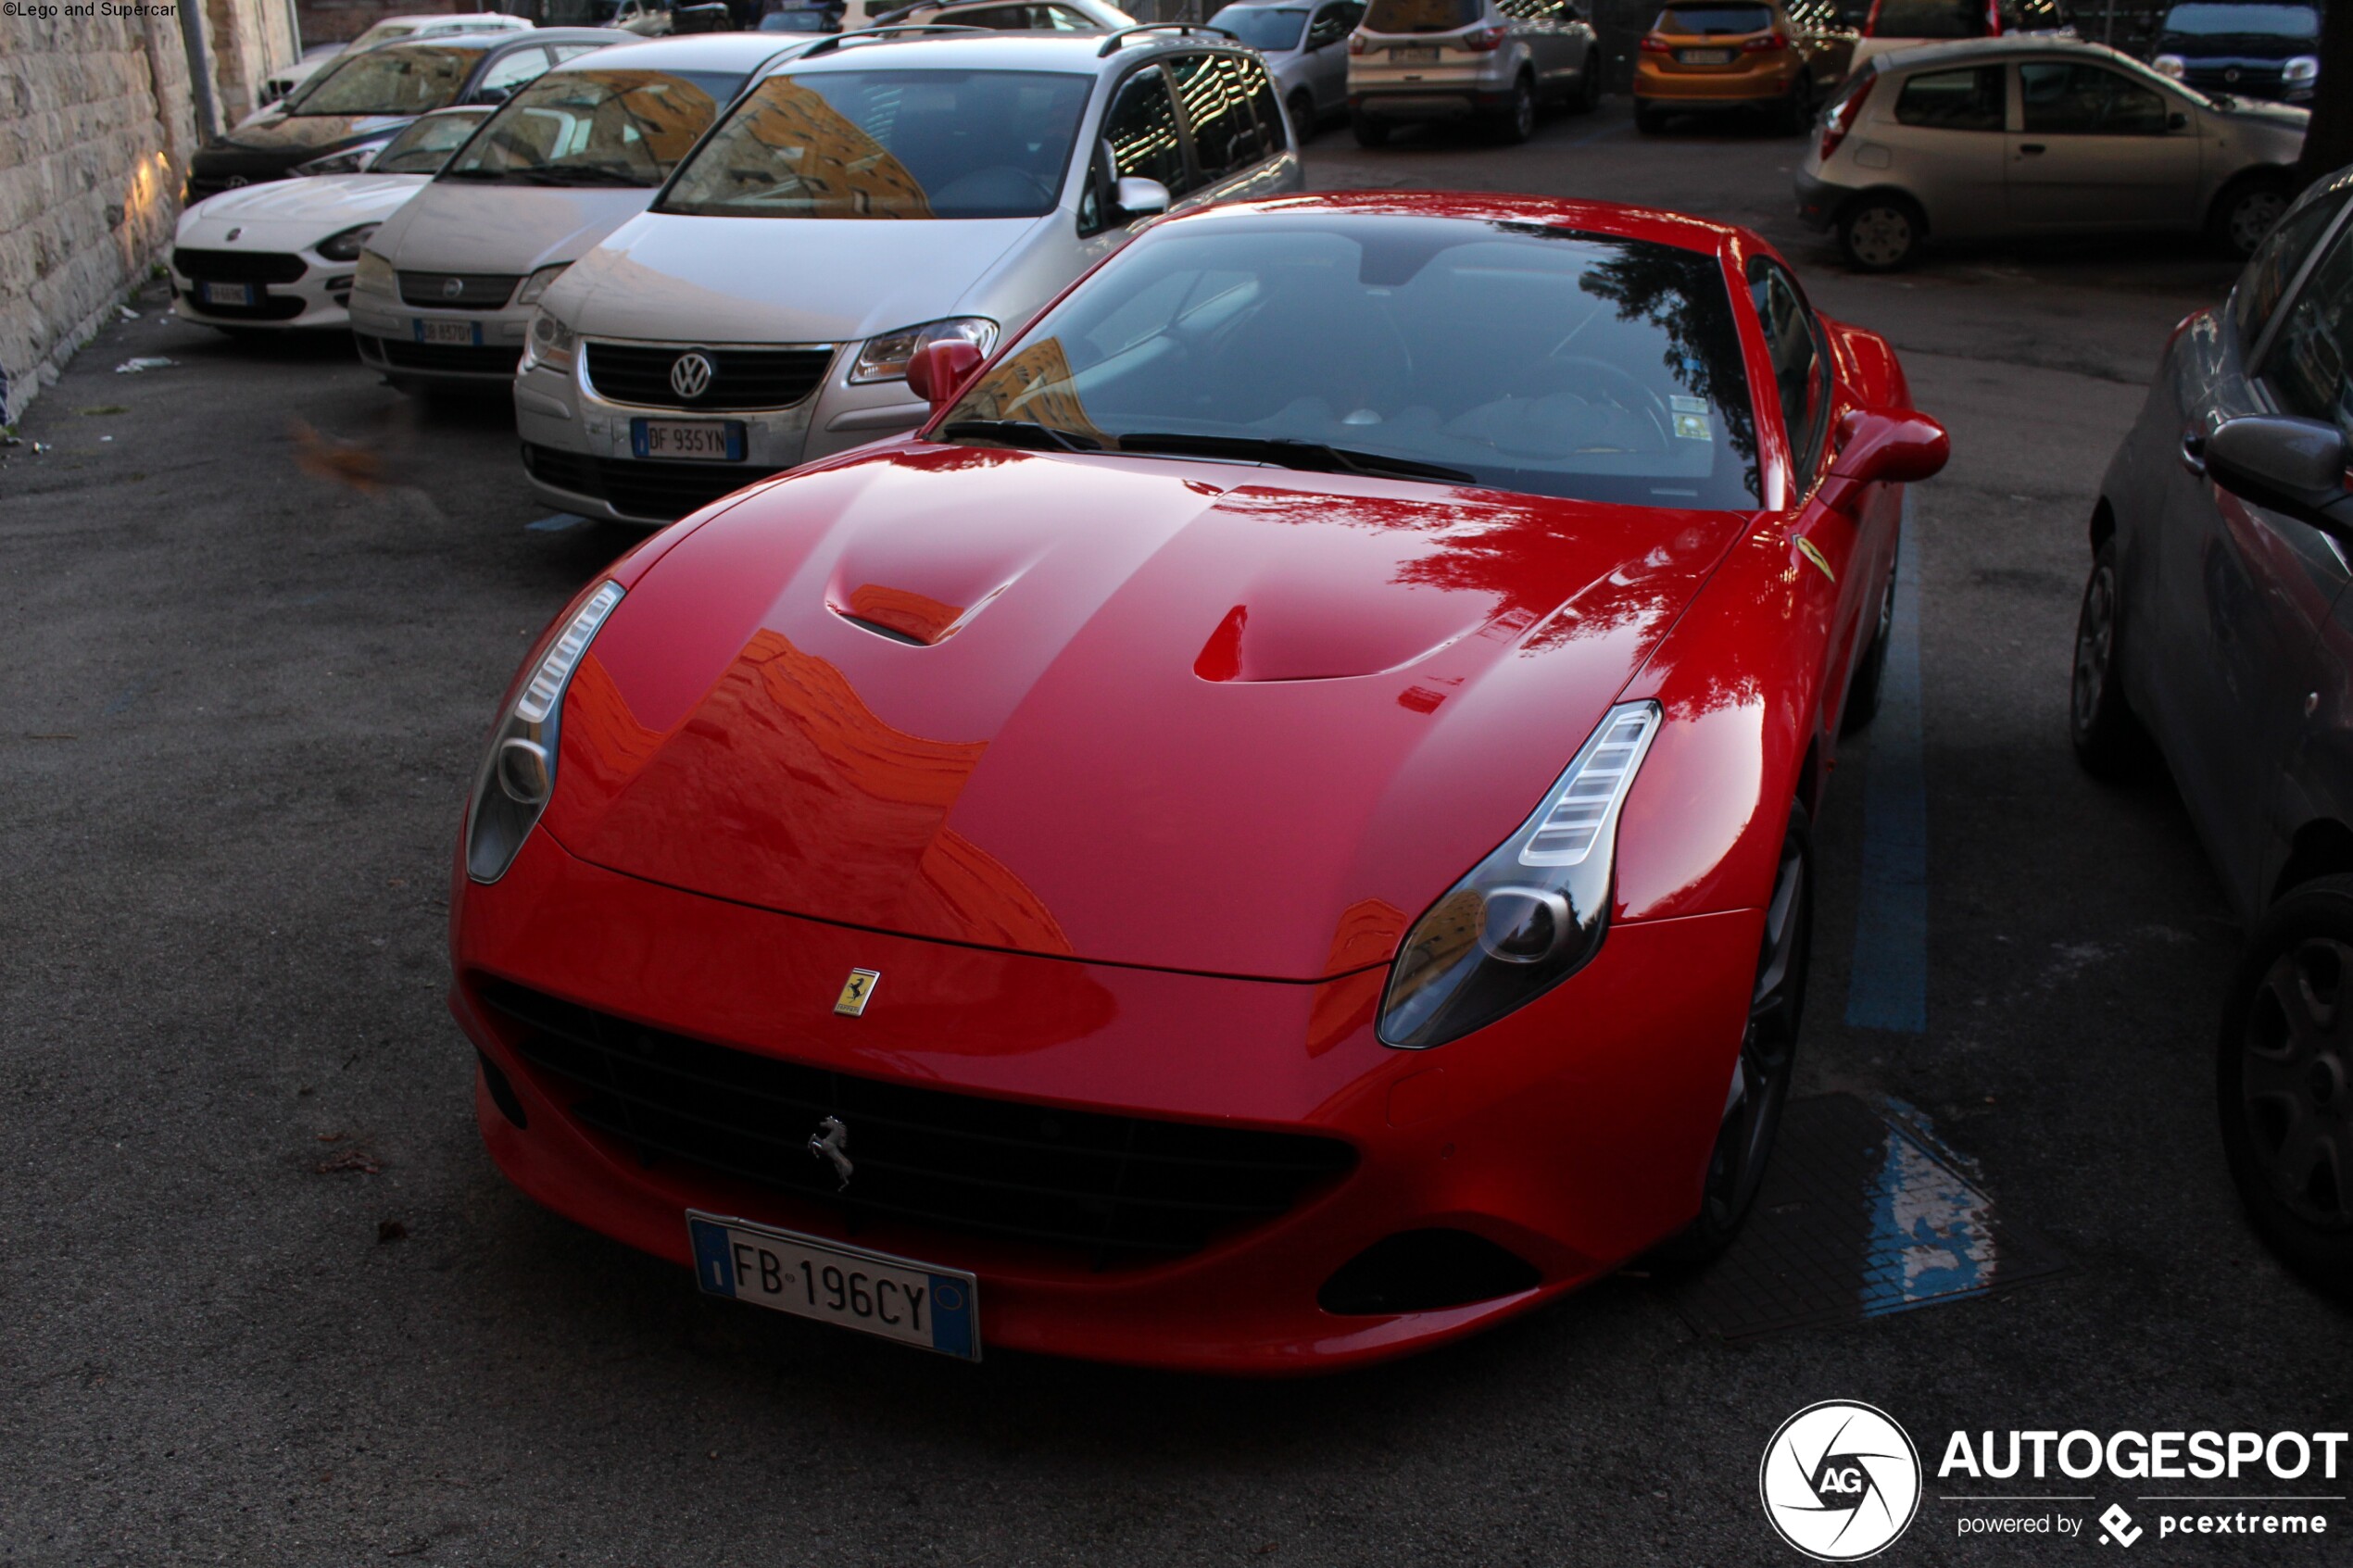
x=1888, y=988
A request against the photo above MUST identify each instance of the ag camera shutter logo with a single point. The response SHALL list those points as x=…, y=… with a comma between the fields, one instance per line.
x=1840, y=1481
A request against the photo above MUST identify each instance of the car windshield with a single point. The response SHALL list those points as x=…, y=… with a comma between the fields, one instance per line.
x=403, y=79
x=426, y=145
x=890, y=143
x=1264, y=27
x=1929, y=19
x=1423, y=16
x=797, y=21
x=1515, y=355
x=2263, y=22
x=1706, y=20
x=597, y=126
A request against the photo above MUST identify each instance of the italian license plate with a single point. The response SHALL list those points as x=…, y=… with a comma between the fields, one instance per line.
x=1414, y=57
x=872, y=1292
x=225, y=294
x=1706, y=57
x=703, y=441
x=464, y=332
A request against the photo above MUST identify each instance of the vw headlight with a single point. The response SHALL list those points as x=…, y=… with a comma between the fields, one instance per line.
x=550, y=341
x=351, y=160
x=2169, y=65
x=518, y=774
x=1530, y=914
x=537, y=285
x=2301, y=71
x=346, y=245
x=375, y=275
x=885, y=354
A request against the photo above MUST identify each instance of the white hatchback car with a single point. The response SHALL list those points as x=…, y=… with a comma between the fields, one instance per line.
x=445, y=289
x=885, y=191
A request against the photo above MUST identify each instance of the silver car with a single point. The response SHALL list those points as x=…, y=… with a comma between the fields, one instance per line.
x=2000, y=136
x=882, y=192
x=1494, y=60
x=1305, y=45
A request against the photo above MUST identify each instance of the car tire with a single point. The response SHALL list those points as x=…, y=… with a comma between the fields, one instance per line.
x=1880, y=233
x=1302, y=115
x=1768, y=1060
x=2109, y=740
x=1517, y=122
x=1648, y=120
x=1587, y=97
x=1863, y=691
x=1370, y=132
x=2245, y=211
x=2284, y=1081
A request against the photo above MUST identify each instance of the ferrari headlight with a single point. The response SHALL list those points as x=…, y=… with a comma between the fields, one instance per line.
x=2301, y=71
x=518, y=774
x=537, y=285
x=375, y=275
x=885, y=354
x=551, y=343
x=2169, y=65
x=346, y=245
x=1530, y=914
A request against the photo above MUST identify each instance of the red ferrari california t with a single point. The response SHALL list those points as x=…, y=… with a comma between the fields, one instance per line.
x=1270, y=833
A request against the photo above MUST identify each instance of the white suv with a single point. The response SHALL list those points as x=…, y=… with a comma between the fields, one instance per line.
x=885, y=191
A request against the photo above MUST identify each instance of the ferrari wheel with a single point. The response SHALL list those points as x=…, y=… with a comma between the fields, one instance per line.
x=2285, y=1081
x=2109, y=740
x=1767, y=1058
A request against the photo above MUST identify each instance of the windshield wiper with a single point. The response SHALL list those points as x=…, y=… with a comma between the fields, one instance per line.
x=583, y=175
x=1313, y=456
x=1021, y=433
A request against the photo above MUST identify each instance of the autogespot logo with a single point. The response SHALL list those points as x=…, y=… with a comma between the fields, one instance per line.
x=1840, y=1481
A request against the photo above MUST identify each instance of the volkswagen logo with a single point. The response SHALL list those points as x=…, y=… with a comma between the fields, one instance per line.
x=690, y=375
x=453, y=288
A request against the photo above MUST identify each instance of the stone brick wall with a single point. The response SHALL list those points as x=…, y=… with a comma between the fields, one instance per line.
x=96, y=132
x=249, y=39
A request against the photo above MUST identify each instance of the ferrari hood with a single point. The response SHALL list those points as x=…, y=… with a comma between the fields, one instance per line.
x=772, y=279
x=1206, y=717
x=459, y=225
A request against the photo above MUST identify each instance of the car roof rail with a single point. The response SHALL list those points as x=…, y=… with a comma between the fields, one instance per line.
x=827, y=46
x=1118, y=40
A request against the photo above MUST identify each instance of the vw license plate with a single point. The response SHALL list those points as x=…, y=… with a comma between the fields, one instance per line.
x=872, y=1292
x=1706, y=57
x=1414, y=57
x=225, y=294
x=706, y=440
x=465, y=333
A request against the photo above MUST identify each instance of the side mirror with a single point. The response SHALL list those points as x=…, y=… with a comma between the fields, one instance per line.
x=1135, y=196
x=2290, y=465
x=2177, y=121
x=939, y=371
x=1882, y=446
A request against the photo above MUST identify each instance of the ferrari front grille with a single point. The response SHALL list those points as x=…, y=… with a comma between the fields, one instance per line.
x=1110, y=1188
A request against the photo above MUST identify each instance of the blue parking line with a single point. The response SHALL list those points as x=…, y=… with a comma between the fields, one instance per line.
x=1889, y=987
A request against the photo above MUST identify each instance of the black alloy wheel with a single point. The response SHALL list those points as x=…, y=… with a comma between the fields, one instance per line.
x=2284, y=1081
x=1518, y=122
x=2109, y=743
x=1768, y=1056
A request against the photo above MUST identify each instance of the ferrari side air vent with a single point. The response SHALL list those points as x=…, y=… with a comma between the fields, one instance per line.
x=879, y=630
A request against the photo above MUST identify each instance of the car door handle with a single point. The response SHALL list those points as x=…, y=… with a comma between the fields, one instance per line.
x=2030, y=148
x=2194, y=453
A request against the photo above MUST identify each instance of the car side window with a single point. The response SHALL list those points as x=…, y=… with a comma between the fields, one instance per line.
x=1953, y=100
x=2061, y=98
x=1331, y=24
x=1215, y=96
x=506, y=74
x=2273, y=266
x=1060, y=19
x=2306, y=368
x=1141, y=132
x=1271, y=123
x=1800, y=367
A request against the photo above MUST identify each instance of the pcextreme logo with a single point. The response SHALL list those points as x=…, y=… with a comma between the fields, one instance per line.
x=1840, y=1481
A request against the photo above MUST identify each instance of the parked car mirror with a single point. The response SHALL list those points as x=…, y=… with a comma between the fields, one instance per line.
x=1139, y=197
x=1882, y=446
x=939, y=371
x=2177, y=120
x=2291, y=465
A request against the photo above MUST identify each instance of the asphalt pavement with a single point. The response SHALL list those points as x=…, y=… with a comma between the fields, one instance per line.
x=264, y=1299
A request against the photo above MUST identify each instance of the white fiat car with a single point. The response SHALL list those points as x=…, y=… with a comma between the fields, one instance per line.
x=446, y=288
x=281, y=255
x=882, y=192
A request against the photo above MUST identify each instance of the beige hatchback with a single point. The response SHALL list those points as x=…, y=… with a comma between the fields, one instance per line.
x=2019, y=136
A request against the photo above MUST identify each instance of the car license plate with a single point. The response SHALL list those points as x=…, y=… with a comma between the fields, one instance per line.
x=465, y=333
x=872, y=1292
x=1706, y=57
x=225, y=294
x=1414, y=57
x=702, y=441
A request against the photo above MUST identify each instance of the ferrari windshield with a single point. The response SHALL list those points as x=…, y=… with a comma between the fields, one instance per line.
x=401, y=79
x=1515, y=356
x=1264, y=27
x=426, y=145
x=595, y=127
x=889, y=143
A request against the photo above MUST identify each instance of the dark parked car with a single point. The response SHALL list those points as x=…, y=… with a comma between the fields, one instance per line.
x=2216, y=624
x=2244, y=50
x=369, y=96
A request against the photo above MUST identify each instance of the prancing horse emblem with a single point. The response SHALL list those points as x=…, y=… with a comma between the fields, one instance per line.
x=827, y=1143
x=856, y=991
